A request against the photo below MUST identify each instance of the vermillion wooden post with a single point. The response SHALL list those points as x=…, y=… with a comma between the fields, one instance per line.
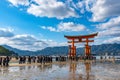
x=72, y=49
x=87, y=50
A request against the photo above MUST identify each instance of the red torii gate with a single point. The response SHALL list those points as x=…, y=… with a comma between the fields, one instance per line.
x=78, y=39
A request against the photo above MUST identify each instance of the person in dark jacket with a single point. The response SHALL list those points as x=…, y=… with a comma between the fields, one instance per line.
x=29, y=60
x=7, y=61
x=0, y=61
x=4, y=62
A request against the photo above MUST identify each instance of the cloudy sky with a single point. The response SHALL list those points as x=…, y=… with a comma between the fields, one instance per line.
x=36, y=24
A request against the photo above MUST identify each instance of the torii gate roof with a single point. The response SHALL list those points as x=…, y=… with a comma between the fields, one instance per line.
x=81, y=36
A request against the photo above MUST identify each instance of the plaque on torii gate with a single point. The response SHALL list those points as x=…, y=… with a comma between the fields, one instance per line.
x=79, y=39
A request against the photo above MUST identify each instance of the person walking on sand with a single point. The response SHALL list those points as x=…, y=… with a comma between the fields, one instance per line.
x=29, y=60
x=0, y=61
x=4, y=61
x=7, y=61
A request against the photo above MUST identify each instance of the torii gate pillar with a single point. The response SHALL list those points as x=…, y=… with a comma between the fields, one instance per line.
x=87, y=50
x=72, y=49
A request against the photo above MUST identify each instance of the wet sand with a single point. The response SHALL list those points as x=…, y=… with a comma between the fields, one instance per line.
x=81, y=70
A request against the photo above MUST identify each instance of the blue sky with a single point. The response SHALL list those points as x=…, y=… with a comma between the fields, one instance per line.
x=36, y=24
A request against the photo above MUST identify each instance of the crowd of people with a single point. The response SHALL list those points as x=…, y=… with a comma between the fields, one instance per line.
x=4, y=61
x=61, y=58
x=34, y=59
x=87, y=58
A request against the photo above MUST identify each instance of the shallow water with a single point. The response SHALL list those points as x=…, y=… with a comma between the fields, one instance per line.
x=64, y=71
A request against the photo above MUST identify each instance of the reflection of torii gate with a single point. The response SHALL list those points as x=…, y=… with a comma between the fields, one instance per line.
x=78, y=39
x=87, y=66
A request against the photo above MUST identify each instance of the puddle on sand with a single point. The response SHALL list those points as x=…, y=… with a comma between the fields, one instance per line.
x=66, y=71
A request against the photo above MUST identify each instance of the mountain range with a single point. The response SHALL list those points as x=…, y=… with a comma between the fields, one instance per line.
x=111, y=49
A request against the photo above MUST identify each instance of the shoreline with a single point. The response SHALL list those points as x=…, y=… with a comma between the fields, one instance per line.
x=54, y=62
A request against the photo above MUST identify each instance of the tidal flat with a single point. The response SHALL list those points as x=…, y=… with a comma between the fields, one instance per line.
x=70, y=70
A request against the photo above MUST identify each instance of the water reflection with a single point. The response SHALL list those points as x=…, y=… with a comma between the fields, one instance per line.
x=88, y=69
x=84, y=76
x=72, y=70
x=44, y=67
x=63, y=71
x=73, y=66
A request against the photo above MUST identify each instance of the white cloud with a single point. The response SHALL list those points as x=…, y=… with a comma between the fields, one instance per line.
x=99, y=10
x=114, y=31
x=51, y=8
x=110, y=28
x=102, y=9
x=52, y=43
x=25, y=41
x=19, y=2
x=81, y=6
x=46, y=8
x=113, y=40
x=68, y=26
x=110, y=31
x=111, y=23
x=6, y=32
x=48, y=28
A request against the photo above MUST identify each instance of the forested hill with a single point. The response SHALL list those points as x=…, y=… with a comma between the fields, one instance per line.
x=106, y=48
x=63, y=50
x=6, y=52
x=111, y=49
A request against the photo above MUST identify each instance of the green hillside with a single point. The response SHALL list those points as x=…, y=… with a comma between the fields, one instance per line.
x=6, y=52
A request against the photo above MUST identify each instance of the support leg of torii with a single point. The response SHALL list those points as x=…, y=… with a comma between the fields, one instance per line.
x=72, y=50
x=88, y=52
x=87, y=49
